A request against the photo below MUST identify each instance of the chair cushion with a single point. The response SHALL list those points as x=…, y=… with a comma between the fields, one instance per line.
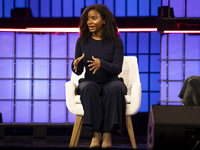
x=127, y=98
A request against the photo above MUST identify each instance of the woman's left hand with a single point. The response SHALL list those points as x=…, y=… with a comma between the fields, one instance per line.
x=95, y=65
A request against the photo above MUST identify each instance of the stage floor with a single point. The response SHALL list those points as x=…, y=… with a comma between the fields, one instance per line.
x=60, y=142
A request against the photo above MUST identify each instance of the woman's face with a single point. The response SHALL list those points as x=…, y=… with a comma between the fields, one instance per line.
x=95, y=22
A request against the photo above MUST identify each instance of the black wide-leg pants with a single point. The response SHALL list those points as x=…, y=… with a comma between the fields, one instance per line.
x=104, y=105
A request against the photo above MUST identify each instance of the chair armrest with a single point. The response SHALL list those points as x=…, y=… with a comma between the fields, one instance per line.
x=134, y=105
x=70, y=91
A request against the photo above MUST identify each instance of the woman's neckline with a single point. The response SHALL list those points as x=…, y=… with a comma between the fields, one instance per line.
x=96, y=39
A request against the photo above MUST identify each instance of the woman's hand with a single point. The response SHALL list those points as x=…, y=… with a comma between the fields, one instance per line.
x=76, y=61
x=95, y=65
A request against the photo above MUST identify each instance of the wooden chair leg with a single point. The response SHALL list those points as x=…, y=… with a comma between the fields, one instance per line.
x=129, y=127
x=76, y=132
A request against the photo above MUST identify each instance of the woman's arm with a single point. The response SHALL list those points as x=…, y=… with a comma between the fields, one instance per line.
x=77, y=63
x=118, y=54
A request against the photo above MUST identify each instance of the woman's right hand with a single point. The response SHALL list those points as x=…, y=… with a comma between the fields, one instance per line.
x=76, y=61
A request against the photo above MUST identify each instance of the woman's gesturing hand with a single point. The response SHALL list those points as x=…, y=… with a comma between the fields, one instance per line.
x=76, y=61
x=95, y=65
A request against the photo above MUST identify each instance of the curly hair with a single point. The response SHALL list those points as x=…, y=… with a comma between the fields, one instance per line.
x=110, y=31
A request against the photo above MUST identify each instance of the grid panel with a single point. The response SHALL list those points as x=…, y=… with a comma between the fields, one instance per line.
x=43, y=64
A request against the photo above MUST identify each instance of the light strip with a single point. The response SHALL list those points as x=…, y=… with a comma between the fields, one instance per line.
x=182, y=31
x=72, y=30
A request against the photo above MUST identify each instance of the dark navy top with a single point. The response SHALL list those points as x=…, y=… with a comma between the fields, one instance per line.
x=110, y=55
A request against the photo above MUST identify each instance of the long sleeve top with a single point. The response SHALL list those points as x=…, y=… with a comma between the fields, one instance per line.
x=110, y=55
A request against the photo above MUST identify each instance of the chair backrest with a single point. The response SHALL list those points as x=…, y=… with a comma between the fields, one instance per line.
x=130, y=72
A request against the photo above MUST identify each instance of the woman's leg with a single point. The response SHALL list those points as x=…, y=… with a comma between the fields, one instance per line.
x=114, y=106
x=92, y=104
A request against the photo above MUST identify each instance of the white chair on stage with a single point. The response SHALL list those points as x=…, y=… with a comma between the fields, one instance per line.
x=130, y=74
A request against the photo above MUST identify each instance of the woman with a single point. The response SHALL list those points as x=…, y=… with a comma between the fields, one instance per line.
x=100, y=50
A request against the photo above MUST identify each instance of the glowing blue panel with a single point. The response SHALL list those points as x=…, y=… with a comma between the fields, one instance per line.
x=120, y=10
x=41, y=89
x=174, y=90
x=72, y=38
x=175, y=70
x=1, y=8
x=23, y=112
x=175, y=46
x=144, y=102
x=192, y=68
x=163, y=91
x=34, y=6
x=58, y=89
x=163, y=70
x=59, y=69
x=59, y=46
x=7, y=89
x=131, y=43
x=143, y=8
x=179, y=8
x=7, y=68
x=67, y=8
x=154, y=7
x=8, y=5
x=79, y=4
x=23, y=89
x=45, y=8
x=110, y=5
x=69, y=69
x=143, y=62
x=6, y=108
x=144, y=81
x=154, y=98
x=41, y=69
x=58, y=112
x=143, y=42
x=23, y=68
x=7, y=44
x=99, y=2
x=131, y=8
x=23, y=45
x=155, y=64
x=193, y=8
x=164, y=47
x=56, y=8
x=155, y=42
x=20, y=3
x=40, y=112
x=123, y=37
x=165, y=2
x=154, y=83
x=41, y=45
x=192, y=46
x=71, y=117
x=90, y=2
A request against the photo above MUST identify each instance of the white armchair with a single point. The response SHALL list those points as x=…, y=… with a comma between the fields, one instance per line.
x=130, y=74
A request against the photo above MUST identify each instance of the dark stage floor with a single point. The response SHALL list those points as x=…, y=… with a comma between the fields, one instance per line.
x=58, y=136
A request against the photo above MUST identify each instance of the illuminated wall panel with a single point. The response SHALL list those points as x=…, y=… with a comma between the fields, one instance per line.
x=193, y=8
x=32, y=83
x=45, y=8
x=56, y=8
x=181, y=57
x=120, y=8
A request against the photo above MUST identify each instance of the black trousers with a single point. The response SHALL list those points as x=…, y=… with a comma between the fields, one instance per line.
x=104, y=105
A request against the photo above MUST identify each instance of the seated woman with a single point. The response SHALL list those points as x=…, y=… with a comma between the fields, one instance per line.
x=100, y=50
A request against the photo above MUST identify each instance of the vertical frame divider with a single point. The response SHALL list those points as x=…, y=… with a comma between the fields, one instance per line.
x=49, y=77
x=32, y=73
x=167, y=71
x=14, y=102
